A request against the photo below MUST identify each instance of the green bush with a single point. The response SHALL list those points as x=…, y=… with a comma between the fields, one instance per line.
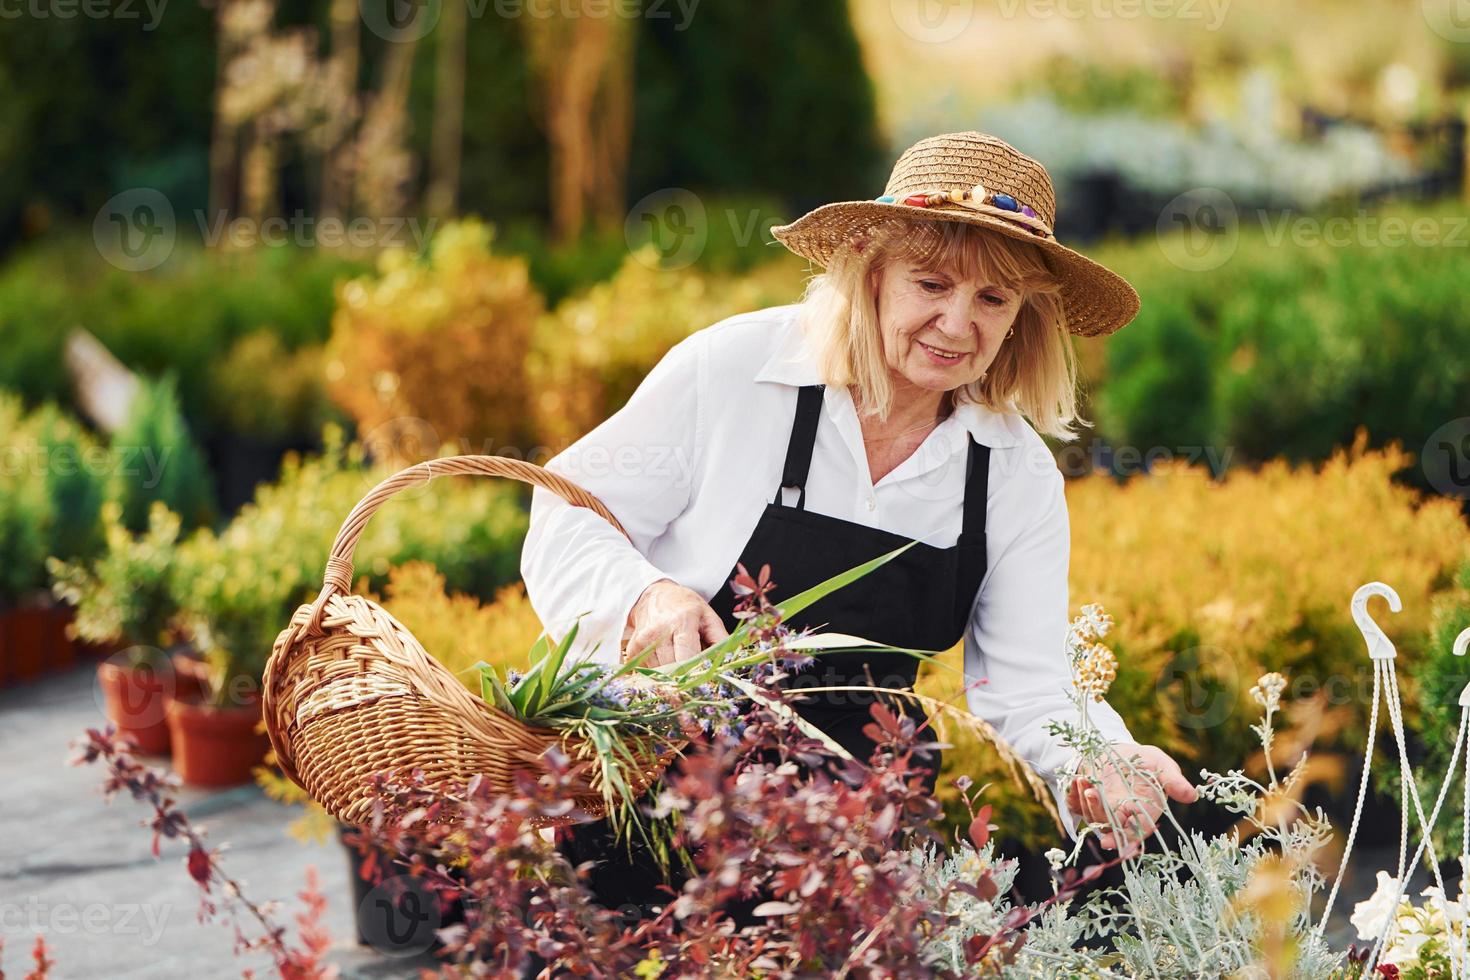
x=187, y=316
x=75, y=487
x=158, y=460
x=125, y=596
x=22, y=511
x=1286, y=349
x=237, y=588
x=51, y=491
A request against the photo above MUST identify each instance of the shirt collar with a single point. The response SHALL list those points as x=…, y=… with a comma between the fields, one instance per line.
x=792, y=363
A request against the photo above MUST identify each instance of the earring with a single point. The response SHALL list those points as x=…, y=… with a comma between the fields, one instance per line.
x=1011, y=332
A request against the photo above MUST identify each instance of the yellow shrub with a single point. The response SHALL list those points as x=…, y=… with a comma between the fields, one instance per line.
x=457, y=630
x=591, y=353
x=443, y=339
x=1214, y=583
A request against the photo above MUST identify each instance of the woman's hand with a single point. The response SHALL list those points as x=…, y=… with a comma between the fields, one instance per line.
x=1133, y=797
x=675, y=621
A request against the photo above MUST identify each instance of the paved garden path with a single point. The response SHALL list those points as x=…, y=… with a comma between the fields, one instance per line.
x=81, y=872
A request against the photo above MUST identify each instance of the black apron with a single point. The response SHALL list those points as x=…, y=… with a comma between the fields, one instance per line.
x=922, y=599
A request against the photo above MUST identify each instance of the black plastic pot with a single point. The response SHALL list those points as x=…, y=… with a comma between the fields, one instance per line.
x=398, y=916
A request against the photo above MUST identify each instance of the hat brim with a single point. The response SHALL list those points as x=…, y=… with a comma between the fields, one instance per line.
x=1097, y=300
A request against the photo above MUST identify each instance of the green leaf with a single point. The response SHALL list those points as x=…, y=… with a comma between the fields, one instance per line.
x=789, y=608
x=492, y=691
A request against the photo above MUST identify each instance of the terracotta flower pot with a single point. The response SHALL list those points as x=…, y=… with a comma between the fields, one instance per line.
x=60, y=649
x=137, y=699
x=5, y=669
x=26, y=640
x=215, y=747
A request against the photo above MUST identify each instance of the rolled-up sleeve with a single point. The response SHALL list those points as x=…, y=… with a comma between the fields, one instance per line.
x=640, y=463
x=1017, y=641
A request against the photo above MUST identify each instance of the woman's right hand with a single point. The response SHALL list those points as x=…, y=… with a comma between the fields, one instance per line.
x=675, y=621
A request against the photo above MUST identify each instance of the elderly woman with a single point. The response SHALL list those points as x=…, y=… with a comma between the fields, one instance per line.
x=899, y=401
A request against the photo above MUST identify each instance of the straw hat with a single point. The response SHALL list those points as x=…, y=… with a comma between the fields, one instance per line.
x=979, y=180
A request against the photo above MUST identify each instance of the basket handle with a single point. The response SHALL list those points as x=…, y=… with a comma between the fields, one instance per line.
x=338, y=576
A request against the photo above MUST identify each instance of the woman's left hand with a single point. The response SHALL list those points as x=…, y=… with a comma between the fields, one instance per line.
x=1133, y=798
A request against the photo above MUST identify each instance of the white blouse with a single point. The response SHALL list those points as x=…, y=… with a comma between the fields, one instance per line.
x=689, y=464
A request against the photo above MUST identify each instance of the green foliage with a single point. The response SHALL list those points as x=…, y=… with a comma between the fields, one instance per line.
x=238, y=587
x=142, y=118
x=1092, y=87
x=126, y=595
x=1210, y=599
x=791, y=73
x=1287, y=348
x=51, y=489
x=22, y=514
x=505, y=165
x=187, y=316
x=158, y=460
x=74, y=486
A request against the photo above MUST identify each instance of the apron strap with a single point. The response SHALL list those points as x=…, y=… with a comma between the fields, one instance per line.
x=977, y=486
x=803, y=440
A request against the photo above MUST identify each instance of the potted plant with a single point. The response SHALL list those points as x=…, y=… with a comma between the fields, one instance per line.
x=22, y=551
x=233, y=589
x=48, y=505
x=124, y=600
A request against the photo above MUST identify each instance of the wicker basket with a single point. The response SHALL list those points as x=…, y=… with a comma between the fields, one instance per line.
x=349, y=692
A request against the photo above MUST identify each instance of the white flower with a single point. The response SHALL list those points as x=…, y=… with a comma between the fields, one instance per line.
x=1453, y=913
x=1405, y=949
x=1371, y=915
x=1056, y=857
x=1267, y=692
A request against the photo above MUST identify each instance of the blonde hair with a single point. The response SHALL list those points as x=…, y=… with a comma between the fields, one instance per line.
x=1034, y=372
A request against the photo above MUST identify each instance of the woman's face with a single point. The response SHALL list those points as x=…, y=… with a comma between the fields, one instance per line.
x=939, y=332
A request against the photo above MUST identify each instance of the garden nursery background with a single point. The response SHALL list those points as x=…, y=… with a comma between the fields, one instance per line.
x=256, y=255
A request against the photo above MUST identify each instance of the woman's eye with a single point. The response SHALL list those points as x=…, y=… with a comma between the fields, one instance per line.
x=995, y=300
x=931, y=286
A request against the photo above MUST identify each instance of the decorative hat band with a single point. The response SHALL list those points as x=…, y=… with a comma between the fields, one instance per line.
x=977, y=198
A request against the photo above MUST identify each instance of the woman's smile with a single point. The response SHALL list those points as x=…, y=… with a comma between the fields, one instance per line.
x=940, y=355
